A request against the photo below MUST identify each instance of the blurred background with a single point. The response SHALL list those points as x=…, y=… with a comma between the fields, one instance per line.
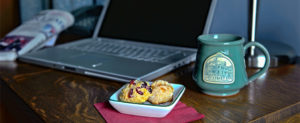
x=277, y=20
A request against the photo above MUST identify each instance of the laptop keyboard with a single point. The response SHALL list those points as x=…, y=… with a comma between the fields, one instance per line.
x=125, y=50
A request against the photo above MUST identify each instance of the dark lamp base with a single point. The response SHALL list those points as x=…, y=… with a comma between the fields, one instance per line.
x=280, y=54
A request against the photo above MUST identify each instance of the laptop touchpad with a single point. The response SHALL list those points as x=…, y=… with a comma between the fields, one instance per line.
x=113, y=64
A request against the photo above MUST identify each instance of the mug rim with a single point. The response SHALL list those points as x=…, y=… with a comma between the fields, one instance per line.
x=235, y=39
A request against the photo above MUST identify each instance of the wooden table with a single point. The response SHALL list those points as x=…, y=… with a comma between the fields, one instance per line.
x=38, y=94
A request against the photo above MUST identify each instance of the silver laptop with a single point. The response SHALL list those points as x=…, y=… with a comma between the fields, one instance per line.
x=134, y=39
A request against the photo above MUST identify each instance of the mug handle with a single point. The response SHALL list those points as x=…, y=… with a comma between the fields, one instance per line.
x=267, y=56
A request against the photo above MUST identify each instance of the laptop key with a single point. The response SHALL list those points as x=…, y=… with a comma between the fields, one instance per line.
x=137, y=52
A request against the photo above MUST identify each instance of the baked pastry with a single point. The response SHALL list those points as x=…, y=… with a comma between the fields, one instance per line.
x=136, y=92
x=162, y=92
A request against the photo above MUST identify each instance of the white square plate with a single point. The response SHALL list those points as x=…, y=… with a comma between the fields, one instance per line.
x=146, y=109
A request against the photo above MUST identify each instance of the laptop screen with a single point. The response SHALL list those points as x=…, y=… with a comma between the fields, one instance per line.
x=170, y=22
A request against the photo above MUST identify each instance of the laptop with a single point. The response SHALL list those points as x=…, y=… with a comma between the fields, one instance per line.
x=133, y=39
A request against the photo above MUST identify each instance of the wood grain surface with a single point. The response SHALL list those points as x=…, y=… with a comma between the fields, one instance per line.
x=58, y=96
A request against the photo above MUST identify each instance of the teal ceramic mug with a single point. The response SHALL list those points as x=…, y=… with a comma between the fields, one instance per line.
x=220, y=65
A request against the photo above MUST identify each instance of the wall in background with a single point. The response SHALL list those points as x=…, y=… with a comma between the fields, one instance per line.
x=278, y=20
x=231, y=16
x=29, y=8
x=9, y=16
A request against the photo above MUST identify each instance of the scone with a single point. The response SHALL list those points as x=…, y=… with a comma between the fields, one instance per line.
x=136, y=92
x=162, y=92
